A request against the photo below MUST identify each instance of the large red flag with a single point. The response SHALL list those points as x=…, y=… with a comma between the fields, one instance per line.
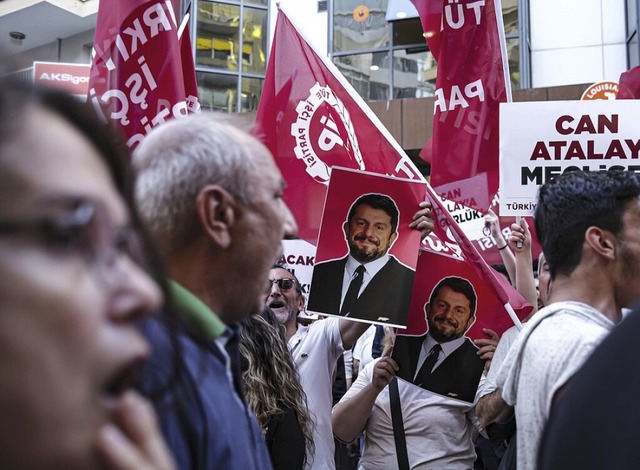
x=312, y=119
x=137, y=75
x=467, y=41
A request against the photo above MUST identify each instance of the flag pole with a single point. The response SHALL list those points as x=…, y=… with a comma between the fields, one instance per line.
x=514, y=317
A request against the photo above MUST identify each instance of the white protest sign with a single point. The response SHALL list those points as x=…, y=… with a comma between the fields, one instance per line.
x=541, y=140
x=300, y=256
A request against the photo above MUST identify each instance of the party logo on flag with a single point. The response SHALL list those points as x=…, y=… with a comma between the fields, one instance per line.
x=324, y=133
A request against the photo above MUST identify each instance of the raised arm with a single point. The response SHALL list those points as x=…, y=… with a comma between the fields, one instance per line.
x=350, y=415
x=491, y=220
x=525, y=282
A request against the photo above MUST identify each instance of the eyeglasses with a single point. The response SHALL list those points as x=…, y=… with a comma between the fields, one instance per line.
x=283, y=284
x=85, y=231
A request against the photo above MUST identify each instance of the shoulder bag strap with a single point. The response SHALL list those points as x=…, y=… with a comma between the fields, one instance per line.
x=398, y=425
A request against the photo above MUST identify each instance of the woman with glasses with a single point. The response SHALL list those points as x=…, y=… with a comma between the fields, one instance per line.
x=72, y=291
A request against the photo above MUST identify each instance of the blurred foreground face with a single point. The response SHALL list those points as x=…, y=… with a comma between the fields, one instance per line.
x=70, y=296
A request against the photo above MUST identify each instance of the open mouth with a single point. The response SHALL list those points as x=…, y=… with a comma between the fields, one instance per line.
x=276, y=303
x=122, y=380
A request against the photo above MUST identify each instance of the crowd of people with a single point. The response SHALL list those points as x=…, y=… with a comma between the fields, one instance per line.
x=147, y=322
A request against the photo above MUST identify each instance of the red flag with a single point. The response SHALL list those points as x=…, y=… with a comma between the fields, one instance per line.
x=137, y=75
x=467, y=40
x=312, y=119
x=504, y=293
x=629, y=84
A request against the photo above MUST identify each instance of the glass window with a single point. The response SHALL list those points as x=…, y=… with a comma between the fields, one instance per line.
x=217, y=35
x=633, y=51
x=414, y=75
x=408, y=32
x=368, y=73
x=251, y=92
x=360, y=24
x=254, y=40
x=632, y=16
x=217, y=91
x=513, y=57
x=510, y=17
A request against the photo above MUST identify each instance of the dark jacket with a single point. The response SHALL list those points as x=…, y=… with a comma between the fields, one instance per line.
x=385, y=299
x=457, y=377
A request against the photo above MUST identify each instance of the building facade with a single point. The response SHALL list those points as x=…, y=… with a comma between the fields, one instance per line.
x=554, y=48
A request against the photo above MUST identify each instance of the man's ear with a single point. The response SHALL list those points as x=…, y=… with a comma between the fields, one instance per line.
x=601, y=241
x=216, y=209
x=345, y=229
x=392, y=238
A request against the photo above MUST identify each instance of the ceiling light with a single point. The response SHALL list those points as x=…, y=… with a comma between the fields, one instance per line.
x=17, y=37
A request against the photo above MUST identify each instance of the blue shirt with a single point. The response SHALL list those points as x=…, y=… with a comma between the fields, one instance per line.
x=204, y=421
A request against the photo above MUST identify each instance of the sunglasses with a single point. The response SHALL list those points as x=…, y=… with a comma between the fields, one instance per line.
x=283, y=284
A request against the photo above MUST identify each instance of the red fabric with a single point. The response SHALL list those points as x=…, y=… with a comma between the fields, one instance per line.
x=311, y=119
x=486, y=279
x=629, y=84
x=306, y=105
x=490, y=312
x=137, y=77
x=470, y=84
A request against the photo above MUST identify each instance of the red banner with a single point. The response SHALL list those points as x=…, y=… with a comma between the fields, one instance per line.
x=467, y=41
x=137, y=76
x=312, y=119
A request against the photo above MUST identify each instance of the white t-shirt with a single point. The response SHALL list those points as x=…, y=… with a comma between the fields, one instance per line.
x=439, y=430
x=551, y=347
x=315, y=350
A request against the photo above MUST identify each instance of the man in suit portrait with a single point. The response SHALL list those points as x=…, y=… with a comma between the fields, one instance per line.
x=369, y=283
x=444, y=361
x=426, y=420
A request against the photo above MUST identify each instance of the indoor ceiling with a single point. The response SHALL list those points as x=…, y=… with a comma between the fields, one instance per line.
x=43, y=22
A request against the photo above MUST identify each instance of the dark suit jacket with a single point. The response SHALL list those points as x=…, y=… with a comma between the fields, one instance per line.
x=457, y=377
x=386, y=296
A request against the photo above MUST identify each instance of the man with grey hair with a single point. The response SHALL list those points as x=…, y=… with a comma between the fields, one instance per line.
x=211, y=197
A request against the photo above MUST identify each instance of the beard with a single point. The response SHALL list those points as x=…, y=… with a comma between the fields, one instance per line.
x=444, y=336
x=366, y=255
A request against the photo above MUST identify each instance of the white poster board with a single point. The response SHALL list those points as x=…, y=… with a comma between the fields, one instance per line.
x=541, y=140
x=300, y=256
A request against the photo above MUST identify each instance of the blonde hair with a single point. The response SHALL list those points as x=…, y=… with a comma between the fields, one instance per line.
x=270, y=378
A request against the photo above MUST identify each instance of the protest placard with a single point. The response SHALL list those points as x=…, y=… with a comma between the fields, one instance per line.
x=541, y=140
